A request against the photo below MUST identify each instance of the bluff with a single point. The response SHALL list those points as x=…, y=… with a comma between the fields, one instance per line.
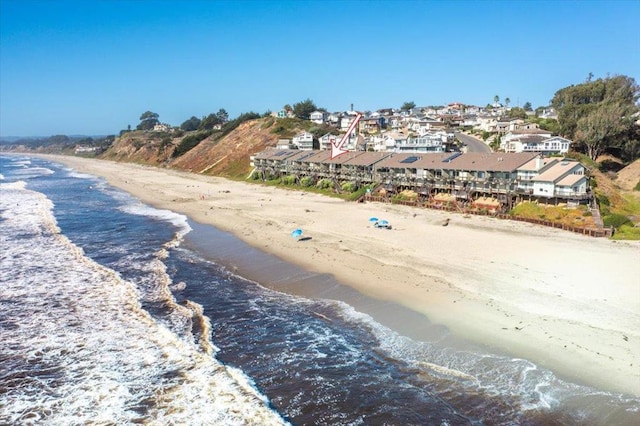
x=222, y=153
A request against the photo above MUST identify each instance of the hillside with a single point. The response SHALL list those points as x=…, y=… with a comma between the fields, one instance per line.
x=222, y=153
x=152, y=148
x=629, y=177
x=228, y=156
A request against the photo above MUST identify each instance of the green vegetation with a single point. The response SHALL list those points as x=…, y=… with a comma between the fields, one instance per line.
x=189, y=142
x=407, y=106
x=191, y=124
x=627, y=232
x=304, y=109
x=616, y=220
x=599, y=116
x=148, y=120
x=578, y=217
x=350, y=191
x=233, y=124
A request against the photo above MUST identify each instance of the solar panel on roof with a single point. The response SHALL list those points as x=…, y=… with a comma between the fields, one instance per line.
x=410, y=160
x=306, y=156
x=281, y=153
x=452, y=156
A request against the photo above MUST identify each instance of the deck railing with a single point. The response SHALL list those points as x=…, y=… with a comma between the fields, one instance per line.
x=592, y=232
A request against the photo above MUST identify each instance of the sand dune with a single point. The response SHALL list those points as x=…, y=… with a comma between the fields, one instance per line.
x=565, y=301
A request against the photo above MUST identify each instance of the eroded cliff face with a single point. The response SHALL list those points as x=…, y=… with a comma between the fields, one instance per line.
x=227, y=155
x=230, y=155
x=142, y=147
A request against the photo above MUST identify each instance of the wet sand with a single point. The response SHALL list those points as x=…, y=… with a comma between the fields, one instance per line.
x=567, y=302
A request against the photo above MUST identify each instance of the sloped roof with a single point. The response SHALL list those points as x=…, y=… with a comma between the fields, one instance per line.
x=530, y=132
x=532, y=165
x=367, y=158
x=272, y=153
x=422, y=161
x=530, y=139
x=570, y=180
x=494, y=161
x=556, y=172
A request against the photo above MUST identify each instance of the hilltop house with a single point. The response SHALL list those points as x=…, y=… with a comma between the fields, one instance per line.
x=318, y=117
x=304, y=141
x=372, y=124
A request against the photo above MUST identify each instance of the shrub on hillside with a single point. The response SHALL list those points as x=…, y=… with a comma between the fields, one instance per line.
x=189, y=142
x=616, y=220
x=349, y=186
x=288, y=180
x=324, y=184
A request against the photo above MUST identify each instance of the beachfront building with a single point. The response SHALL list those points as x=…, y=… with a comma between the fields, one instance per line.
x=564, y=179
x=505, y=177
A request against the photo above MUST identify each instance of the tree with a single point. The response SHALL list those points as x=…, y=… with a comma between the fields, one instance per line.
x=527, y=106
x=304, y=109
x=496, y=99
x=222, y=115
x=209, y=122
x=598, y=114
x=597, y=129
x=191, y=124
x=148, y=120
x=507, y=101
x=407, y=106
x=517, y=113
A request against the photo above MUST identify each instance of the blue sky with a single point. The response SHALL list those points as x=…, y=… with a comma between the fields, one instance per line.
x=93, y=67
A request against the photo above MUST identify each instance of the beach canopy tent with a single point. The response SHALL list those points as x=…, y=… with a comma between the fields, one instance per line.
x=296, y=233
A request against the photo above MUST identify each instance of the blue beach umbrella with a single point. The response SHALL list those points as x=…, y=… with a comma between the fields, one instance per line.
x=373, y=219
x=296, y=233
x=383, y=222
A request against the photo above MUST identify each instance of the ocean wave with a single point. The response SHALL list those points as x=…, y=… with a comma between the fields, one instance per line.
x=79, y=348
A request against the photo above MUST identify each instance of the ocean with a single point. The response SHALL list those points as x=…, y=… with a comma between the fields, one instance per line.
x=114, y=312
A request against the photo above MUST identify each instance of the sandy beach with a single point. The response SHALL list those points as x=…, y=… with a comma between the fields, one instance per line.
x=567, y=302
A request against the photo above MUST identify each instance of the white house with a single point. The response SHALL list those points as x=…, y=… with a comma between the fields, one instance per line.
x=326, y=141
x=528, y=171
x=487, y=123
x=564, y=178
x=285, y=144
x=427, y=143
x=161, y=127
x=304, y=141
x=346, y=120
x=537, y=143
x=318, y=117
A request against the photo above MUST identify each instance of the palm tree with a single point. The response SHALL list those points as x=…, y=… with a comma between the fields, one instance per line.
x=507, y=101
x=496, y=99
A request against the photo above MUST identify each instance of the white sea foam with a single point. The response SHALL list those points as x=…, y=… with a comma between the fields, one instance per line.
x=31, y=172
x=1, y=176
x=79, y=175
x=78, y=348
x=180, y=221
x=535, y=388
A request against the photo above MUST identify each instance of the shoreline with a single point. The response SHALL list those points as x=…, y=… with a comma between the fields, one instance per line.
x=567, y=302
